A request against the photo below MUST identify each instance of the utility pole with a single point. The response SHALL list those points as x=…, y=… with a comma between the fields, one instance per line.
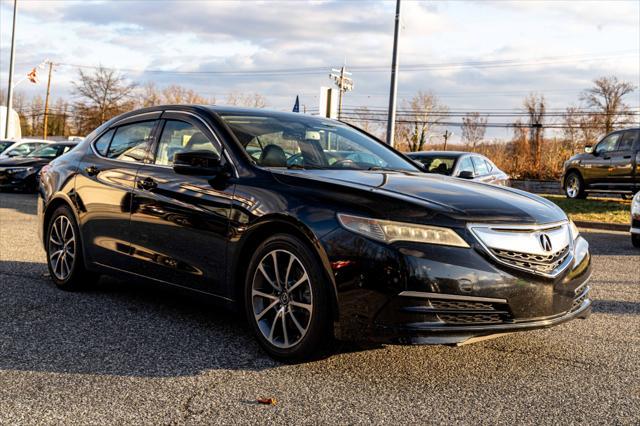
x=447, y=135
x=46, y=103
x=391, y=123
x=344, y=84
x=11, y=64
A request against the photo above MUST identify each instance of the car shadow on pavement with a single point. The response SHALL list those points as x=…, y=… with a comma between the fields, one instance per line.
x=616, y=307
x=19, y=201
x=610, y=243
x=116, y=328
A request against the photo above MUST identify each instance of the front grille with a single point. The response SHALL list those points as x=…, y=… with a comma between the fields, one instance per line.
x=534, y=262
x=471, y=318
x=461, y=305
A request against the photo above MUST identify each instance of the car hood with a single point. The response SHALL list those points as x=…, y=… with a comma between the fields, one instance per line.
x=457, y=198
x=23, y=161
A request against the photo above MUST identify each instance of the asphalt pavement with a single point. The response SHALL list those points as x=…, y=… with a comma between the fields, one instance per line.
x=130, y=353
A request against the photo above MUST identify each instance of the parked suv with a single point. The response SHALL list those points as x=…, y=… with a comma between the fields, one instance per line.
x=612, y=166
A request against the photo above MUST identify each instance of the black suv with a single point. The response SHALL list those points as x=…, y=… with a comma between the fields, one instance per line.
x=612, y=166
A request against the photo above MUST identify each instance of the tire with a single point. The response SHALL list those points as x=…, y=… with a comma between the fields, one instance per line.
x=574, y=186
x=66, y=268
x=635, y=240
x=286, y=331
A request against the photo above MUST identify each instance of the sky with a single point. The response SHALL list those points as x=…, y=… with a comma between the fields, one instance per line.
x=473, y=55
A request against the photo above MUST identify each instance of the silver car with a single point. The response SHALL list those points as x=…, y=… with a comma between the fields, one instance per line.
x=466, y=165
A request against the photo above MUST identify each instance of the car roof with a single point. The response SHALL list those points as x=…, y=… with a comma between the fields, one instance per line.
x=441, y=153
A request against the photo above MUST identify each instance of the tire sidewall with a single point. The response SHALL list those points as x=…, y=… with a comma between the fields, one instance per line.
x=318, y=329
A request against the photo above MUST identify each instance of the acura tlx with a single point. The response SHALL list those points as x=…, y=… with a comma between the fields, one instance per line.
x=311, y=227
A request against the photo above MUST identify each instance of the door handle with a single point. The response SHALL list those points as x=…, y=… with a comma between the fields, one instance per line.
x=91, y=170
x=606, y=158
x=147, y=184
x=626, y=157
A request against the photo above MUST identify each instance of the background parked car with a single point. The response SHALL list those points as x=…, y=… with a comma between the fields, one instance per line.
x=635, y=221
x=613, y=166
x=461, y=164
x=20, y=148
x=21, y=173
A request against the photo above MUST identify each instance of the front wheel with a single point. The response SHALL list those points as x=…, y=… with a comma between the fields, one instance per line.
x=574, y=186
x=286, y=299
x=635, y=240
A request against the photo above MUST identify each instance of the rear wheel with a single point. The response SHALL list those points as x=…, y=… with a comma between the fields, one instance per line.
x=64, y=251
x=286, y=299
x=635, y=240
x=574, y=186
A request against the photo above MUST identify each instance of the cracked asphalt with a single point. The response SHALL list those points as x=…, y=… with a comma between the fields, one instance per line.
x=130, y=353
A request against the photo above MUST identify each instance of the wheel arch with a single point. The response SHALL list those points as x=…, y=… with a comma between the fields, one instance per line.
x=280, y=224
x=52, y=206
x=569, y=171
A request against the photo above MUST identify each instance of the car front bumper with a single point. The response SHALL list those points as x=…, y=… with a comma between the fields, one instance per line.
x=424, y=294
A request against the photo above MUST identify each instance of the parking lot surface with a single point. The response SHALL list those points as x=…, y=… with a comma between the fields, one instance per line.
x=137, y=354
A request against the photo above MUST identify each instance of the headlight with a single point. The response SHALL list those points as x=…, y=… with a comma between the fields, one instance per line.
x=16, y=170
x=573, y=230
x=388, y=231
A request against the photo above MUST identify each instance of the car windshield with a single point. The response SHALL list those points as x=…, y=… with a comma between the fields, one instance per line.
x=50, y=151
x=5, y=144
x=303, y=142
x=442, y=165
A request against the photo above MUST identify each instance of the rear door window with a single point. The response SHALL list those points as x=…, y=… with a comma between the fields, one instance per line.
x=480, y=165
x=131, y=142
x=627, y=140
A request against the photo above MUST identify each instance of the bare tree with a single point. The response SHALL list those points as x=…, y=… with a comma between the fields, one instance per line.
x=176, y=94
x=149, y=95
x=474, y=126
x=253, y=100
x=425, y=113
x=535, y=107
x=606, y=97
x=105, y=93
x=579, y=129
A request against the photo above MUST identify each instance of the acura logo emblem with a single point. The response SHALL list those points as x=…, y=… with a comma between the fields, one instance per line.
x=545, y=242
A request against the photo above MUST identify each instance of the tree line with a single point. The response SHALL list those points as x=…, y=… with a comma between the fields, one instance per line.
x=103, y=93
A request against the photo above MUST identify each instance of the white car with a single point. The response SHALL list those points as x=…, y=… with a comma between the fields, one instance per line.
x=635, y=221
x=20, y=148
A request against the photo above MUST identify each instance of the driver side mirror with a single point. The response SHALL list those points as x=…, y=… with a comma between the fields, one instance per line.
x=588, y=149
x=466, y=174
x=198, y=163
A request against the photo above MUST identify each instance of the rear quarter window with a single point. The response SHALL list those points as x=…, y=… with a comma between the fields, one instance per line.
x=102, y=144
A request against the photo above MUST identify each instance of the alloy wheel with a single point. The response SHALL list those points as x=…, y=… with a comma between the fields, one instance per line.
x=573, y=186
x=62, y=247
x=282, y=299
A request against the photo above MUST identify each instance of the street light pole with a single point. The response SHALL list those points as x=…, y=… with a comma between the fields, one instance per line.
x=11, y=62
x=391, y=123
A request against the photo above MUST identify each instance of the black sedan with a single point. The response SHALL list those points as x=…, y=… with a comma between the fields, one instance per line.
x=364, y=247
x=21, y=173
x=464, y=165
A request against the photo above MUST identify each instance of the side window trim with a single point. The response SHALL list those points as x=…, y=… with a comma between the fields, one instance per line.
x=153, y=135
